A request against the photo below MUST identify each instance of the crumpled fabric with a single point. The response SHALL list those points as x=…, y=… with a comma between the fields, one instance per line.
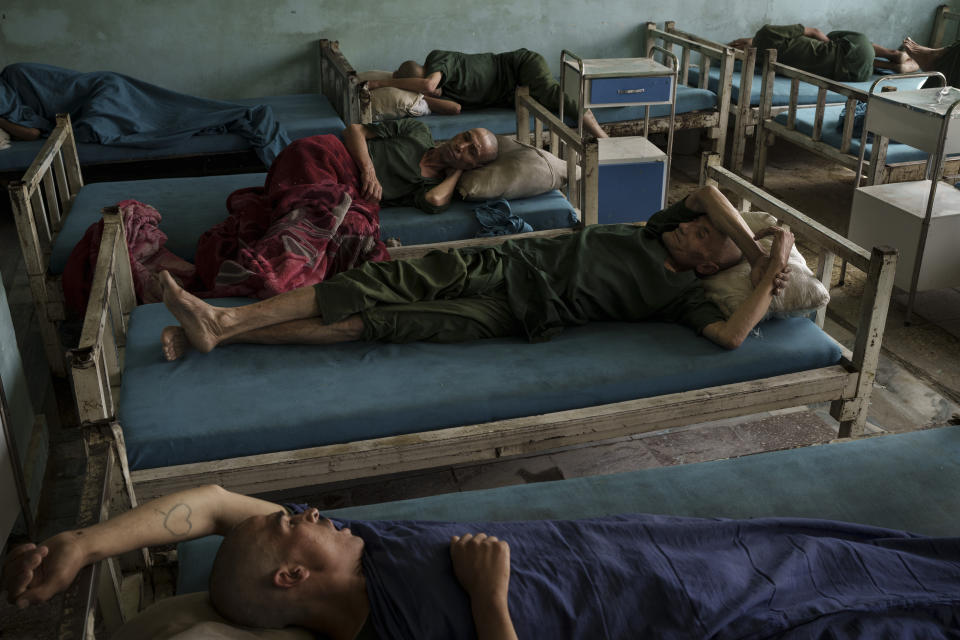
x=496, y=219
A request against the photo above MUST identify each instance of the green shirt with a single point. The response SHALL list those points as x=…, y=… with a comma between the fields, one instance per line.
x=847, y=57
x=396, y=154
x=605, y=272
x=475, y=80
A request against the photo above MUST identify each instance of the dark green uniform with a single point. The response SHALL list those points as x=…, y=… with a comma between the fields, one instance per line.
x=396, y=154
x=848, y=57
x=531, y=287
x=477, y=80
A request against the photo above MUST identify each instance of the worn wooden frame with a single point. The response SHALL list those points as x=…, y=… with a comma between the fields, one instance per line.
x=714, y=120
x=745, y=116
x=768, y=130
x=40, y=202
x=941, y=18
x=847, y=385
x=338, y=81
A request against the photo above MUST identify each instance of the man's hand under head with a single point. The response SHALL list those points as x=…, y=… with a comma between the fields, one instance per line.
x=763, y=264
x=482, y=566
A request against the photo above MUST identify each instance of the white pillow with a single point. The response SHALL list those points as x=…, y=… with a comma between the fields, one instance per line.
x=520, y=171
x=4, y=139
x=390, y=103
x=803, y=294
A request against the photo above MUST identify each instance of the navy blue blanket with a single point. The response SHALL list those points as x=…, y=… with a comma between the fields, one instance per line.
x=670, y=577
x=113, y=109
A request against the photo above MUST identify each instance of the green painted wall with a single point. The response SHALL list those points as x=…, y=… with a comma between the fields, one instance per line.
x=246, y=48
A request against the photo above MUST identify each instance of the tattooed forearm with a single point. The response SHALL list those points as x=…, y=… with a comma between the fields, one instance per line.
x=177, y=520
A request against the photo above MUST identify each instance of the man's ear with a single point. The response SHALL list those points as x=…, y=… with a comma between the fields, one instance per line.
x=707, y=268
x=287, y=577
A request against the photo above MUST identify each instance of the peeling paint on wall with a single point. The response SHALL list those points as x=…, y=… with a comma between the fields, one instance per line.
x=242, y=48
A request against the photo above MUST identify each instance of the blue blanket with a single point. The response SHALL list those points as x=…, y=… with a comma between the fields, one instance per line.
x=670, y=577
x=113, y=109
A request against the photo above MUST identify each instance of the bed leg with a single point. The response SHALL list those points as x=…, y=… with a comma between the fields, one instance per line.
x=852, y=412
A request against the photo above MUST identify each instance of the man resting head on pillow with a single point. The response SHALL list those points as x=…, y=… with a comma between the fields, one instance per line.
x=401, y=165
x=629, y=575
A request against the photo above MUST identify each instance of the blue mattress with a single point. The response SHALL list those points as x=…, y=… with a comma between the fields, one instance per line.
x=831, y=135
x=190, y=206
x=301, y=115
x=905, y=481
x=500, y=120
x=249, y=399
x=807, y=93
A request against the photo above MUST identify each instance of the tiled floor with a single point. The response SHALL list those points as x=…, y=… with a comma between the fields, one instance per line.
x=918, y=386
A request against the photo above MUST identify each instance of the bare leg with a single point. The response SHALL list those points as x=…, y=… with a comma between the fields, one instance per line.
x=206, y=326
x=308, y=331
x=925, y=57
x=592, y=126
x=895, y=60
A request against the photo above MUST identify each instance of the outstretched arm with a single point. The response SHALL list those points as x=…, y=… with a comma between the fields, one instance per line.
x=355, y=138
x=34, y=574
x=733, y=331
x=482, y=566
x=427, y=86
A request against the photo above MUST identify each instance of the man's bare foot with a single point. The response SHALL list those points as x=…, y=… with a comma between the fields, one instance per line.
x=925, y=57
x=200, y=322
x=174, y=342
x=592, y=126
x=907, y=65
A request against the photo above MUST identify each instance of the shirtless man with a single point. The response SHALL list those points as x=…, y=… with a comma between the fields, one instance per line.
x=477, y=80
x=839, y=55
x=471, y=294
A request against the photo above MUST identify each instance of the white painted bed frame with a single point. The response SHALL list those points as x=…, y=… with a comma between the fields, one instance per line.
x=745, y=117
x=768, y=130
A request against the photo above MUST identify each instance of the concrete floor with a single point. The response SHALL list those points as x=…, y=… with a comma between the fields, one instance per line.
x=918, y=387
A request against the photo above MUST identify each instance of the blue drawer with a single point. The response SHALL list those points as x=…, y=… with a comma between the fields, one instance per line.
x=630, y=192
x=643, y=89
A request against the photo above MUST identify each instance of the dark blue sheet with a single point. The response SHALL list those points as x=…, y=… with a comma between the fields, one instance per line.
x=669, y=577
x=113, y=109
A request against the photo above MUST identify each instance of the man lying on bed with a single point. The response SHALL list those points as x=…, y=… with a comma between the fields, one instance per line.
x=530, y=287
x=627, y=576
x=845, y=56
x=478, y=80
x=401, y=165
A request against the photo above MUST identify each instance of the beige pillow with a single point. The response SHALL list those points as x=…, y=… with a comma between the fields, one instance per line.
x=804, y=292
x=390, y=103
x=520, y=171
x=192, y=617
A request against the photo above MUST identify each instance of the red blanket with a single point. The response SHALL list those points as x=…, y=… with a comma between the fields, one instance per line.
x=305, y=224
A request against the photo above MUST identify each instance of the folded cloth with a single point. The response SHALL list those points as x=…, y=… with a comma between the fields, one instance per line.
x=114, y=109
x=859, y=115
x=649, y=576
x=4, y=139
x=496, y=219
x=305, y=224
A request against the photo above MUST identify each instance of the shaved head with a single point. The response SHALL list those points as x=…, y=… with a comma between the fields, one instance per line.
x=241, y=588
x=409, y=69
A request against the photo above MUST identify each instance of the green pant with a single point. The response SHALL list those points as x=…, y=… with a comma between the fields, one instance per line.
x=532, y=71
x=848, y=57
x=441, y=297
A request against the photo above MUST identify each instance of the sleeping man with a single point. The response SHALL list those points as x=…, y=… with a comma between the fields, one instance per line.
x=532, y=287
x=400, y=164
x=845, y=56
x=614, y=577
x=478, y=80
